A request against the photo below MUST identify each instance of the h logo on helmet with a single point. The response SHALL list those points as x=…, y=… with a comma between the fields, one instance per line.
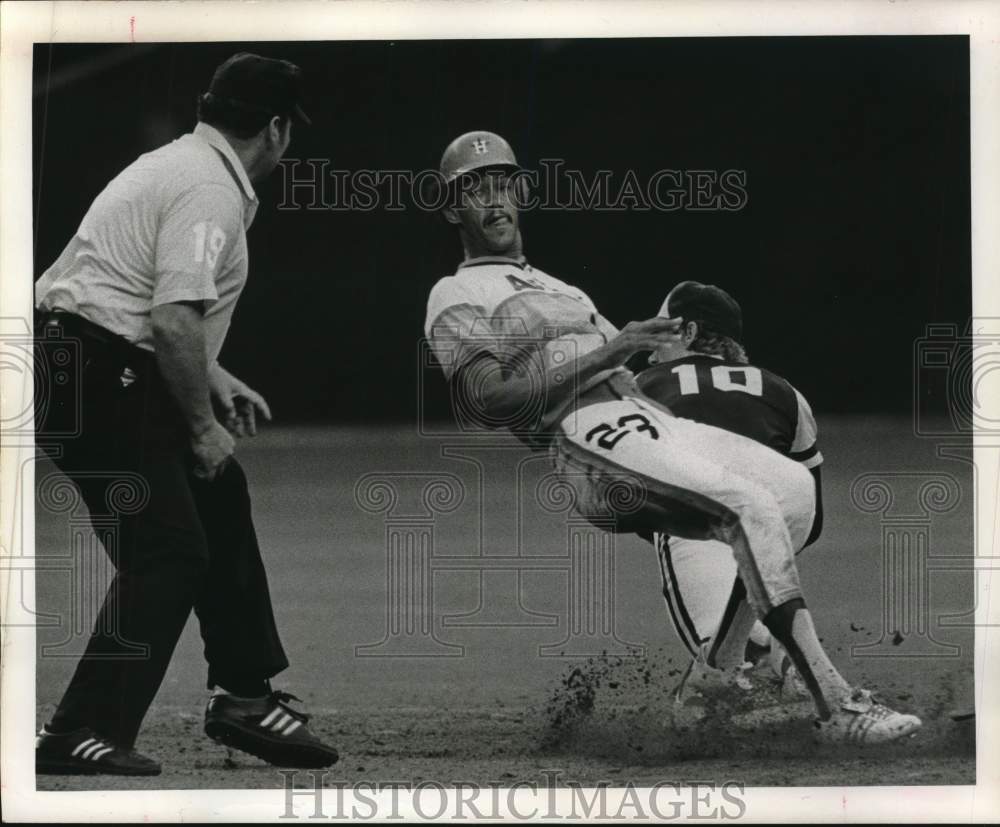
x=481, y=146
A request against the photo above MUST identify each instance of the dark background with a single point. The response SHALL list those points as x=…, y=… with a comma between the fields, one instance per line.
x=855, y=236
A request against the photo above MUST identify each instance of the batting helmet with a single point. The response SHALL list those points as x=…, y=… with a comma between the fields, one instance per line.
x=476, y=150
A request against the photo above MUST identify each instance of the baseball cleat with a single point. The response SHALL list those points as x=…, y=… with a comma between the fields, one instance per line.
x=701, y=681
x=791, y=685
x=863, y=720
x=84, y=752
x=267, y=728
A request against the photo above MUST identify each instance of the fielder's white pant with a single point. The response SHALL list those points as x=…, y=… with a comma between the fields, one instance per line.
x=632, y=465
x=698, y=577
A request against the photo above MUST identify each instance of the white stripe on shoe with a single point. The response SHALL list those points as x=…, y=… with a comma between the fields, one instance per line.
x=294, y=725
x=101, y=753
x=274, y=713
x=82, y=746
x=282, y=722
x=92, y=749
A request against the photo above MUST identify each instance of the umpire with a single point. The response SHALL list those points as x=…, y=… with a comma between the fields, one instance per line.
x=145, y=291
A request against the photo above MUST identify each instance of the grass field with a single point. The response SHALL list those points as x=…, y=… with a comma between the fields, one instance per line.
x=500, y=706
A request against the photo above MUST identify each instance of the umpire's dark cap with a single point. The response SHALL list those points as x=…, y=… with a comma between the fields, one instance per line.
x=260, y=84
x=696, y=302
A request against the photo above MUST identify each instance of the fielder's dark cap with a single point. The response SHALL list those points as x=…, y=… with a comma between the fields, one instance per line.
x=260, y=84
x=696, y=302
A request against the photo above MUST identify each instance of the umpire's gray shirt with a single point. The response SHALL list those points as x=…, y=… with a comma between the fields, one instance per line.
x=170, y=227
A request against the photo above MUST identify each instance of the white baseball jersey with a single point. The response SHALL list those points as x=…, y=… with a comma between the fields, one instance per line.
x=524, y=317
x=697, y=481
x=170, y=227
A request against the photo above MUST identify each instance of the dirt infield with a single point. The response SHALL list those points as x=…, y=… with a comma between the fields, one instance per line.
x=501, y=690
x=583, y=735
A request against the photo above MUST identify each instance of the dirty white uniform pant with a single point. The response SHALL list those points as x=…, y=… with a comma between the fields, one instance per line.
x=634, y=466
x=698, y=577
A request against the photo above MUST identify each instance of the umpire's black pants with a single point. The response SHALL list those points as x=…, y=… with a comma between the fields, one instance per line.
x=177, y=542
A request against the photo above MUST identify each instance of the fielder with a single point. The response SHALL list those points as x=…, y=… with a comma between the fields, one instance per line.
x=704, y=374
x=528, y=352
x=146, y=288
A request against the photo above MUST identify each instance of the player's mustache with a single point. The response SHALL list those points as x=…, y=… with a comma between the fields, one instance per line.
x=497, y=215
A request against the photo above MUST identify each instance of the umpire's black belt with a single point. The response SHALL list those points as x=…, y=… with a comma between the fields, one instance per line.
x=92, y=336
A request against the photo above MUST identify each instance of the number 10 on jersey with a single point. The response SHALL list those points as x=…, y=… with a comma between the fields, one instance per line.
x=723, y=378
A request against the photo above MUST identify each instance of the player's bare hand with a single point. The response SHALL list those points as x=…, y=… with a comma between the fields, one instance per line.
x=249, y=404
x=648, y=335
x=212, y=449
x=238, y=404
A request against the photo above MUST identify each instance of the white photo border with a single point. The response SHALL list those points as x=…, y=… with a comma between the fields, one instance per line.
x=24, y=24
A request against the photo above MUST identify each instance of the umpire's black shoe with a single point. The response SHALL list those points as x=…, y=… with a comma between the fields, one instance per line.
x=84, y=752
x=267, y=728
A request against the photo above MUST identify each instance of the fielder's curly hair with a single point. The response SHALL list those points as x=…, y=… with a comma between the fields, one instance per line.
x=713, y=343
